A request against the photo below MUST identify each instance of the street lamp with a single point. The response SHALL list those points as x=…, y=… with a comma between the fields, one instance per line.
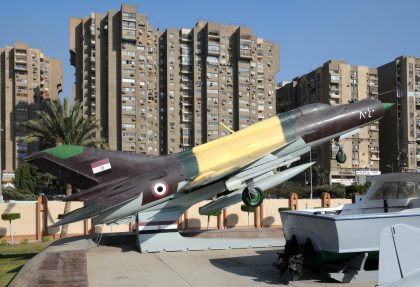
x=391, y=166
x=310, y=170
x=1, y=167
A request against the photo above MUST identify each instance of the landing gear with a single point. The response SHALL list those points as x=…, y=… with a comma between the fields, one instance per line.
x=252, y=196
x=290, y=262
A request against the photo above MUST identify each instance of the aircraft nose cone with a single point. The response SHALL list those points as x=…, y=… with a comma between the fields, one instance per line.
x=387, y=106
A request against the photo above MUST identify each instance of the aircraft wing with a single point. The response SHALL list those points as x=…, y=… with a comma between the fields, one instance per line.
x=265, y=173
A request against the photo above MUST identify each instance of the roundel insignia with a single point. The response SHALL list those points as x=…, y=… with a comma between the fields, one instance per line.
x=159, y=189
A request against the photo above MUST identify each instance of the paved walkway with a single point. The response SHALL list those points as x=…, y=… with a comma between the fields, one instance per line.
x=79, y=262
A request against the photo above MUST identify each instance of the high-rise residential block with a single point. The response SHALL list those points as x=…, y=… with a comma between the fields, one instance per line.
x=116, y=61
x=158, y=92
x=337, y=82
x=399, y=83
x=27, y=77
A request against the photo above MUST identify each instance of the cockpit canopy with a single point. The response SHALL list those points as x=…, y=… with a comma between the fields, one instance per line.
x=304, y=110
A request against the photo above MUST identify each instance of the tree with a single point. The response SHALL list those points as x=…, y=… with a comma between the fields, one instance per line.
x=320, y=174
x=10, y=217
x=29, y=178
x=60, y=123
x=11, y=193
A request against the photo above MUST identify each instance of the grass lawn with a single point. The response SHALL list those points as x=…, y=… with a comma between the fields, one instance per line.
x=13, y=257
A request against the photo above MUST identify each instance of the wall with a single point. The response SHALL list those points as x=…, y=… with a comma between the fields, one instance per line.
x=232, y=217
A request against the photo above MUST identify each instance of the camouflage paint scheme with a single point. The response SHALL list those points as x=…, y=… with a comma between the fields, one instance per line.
x=158, y=177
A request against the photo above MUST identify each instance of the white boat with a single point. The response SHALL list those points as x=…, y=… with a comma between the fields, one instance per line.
x=333, y=235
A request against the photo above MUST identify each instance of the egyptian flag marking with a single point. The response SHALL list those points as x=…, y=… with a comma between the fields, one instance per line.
x=100, y=165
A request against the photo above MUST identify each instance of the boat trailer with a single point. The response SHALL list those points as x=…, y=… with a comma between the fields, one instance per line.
x=298, y=259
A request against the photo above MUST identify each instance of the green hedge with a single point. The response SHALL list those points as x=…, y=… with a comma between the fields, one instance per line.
x=245, y=208
x=10, y=216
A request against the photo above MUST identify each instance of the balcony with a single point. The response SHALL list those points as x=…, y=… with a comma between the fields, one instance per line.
x=373, y=90
x=214, y=35
x=335, y=96
x=21, y=67
x=185, y=38
x=213, y=50
x=245, y=53
x=335, y=78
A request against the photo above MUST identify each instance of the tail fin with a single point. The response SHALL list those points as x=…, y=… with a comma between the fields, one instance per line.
x=398, y=255
x=86, y=167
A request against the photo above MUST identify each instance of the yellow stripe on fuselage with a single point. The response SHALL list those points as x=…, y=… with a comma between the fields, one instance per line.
x=237, y=150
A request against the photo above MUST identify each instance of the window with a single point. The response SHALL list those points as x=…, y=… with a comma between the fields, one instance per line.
x=212, y=60
x=129, y=24
x=128, y=32
x=127, y=15
x=128, y=108
x=129, y=126
x=129, y=90
x=127, y=44
x=393, y=190
x=128, y=98
x=335, y=77
x=128, y=53
x=127, y=80
x=214, y=48
x=128, y=62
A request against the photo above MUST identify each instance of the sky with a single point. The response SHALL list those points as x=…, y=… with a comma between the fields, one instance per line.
x=309, y=32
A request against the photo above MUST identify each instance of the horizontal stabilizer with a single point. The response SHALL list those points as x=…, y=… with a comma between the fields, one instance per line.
x=90, y=211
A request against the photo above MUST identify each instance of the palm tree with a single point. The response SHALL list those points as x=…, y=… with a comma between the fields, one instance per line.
x=60, y=123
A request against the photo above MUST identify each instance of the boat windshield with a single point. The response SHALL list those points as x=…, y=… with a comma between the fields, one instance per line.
x=397, y=189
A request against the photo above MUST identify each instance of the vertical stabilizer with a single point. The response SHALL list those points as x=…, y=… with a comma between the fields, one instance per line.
x=399, y=255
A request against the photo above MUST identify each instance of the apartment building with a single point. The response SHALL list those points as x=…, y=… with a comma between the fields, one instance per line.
x=337, y=82
x=158, y=92
x=27, y=77
x=399, y=83
x=116, y=60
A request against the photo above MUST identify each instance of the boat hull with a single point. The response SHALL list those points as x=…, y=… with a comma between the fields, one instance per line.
x=342, y=234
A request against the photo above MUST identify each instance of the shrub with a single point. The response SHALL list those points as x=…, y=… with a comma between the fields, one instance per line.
x=10, y=216
x=4, y=242
x=25, y=241
x=46, y=238
x=245, y=208
x=215, y=213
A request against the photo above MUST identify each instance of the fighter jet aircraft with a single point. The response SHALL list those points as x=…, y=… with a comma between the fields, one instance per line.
x=241, y=166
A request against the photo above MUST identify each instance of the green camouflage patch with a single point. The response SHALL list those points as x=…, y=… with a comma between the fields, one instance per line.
x=65, y=151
